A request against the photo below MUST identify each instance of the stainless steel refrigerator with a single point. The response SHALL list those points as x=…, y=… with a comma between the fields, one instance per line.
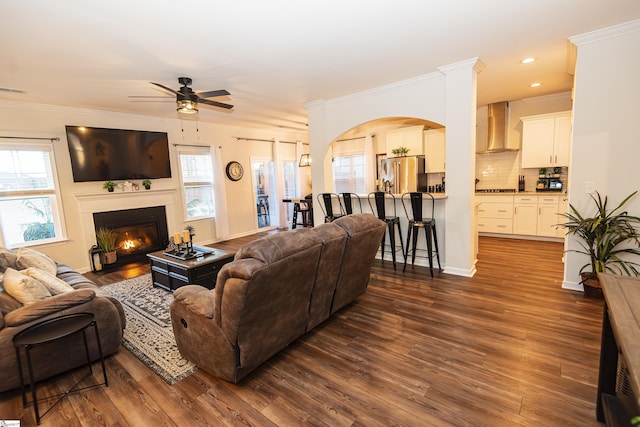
x=402, y=174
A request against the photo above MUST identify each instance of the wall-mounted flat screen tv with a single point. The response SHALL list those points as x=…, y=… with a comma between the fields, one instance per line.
x=99, y=154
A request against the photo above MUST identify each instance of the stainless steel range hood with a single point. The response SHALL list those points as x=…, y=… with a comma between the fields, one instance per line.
x=496, y=128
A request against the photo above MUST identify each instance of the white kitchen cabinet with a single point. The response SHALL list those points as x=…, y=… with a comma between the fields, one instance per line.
x=546, y=139
x=495, y=214
x=547, y=216
x=409, y=137
x=435, y=150
x=525, y=214
x=563, y=207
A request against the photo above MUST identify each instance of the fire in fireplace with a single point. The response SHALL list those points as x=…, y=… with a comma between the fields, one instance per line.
x=140, y=231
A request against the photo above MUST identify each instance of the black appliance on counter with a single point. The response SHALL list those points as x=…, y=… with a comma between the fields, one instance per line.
x=549, y=184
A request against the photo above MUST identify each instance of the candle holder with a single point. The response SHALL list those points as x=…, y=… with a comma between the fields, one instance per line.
x=181, y=245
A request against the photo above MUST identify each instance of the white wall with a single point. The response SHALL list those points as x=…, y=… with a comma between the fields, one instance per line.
x=606, y=139
x=35, y=120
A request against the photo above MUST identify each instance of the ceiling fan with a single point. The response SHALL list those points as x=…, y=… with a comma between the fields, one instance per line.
x=187, y=100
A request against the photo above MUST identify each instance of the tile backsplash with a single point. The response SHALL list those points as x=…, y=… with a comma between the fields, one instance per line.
x=501, y=170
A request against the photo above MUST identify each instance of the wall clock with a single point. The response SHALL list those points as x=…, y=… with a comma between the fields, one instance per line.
x=234, y=171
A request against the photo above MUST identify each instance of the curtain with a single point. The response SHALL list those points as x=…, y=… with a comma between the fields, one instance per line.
x=281, y=219
x=220, y=195
x=369, y=165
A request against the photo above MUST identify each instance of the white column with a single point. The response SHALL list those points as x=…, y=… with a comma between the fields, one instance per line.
x=460, y=112
x=321, y=179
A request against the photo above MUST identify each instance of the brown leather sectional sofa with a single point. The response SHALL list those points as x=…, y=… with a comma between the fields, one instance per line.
x=67, y=353
x=277, y=288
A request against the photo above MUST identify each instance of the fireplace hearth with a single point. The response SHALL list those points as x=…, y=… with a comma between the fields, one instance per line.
x=140, y=231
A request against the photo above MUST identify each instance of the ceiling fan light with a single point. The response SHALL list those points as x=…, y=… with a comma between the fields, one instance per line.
x=186, y=106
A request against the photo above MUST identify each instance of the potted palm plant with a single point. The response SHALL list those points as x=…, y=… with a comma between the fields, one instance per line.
x=106, y=239
x=608, y=238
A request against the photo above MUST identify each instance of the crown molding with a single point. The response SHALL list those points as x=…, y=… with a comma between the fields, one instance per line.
x=605, y=33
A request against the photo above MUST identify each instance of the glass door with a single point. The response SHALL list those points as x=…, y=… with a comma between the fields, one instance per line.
x=264, y=185
x=289, y=169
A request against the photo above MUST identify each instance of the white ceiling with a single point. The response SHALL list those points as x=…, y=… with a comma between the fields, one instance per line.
x=275, y=55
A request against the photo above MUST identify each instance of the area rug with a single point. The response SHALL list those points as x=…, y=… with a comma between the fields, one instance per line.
x=148, y=334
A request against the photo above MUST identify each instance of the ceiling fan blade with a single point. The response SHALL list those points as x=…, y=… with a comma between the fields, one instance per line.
x=145, y=96
x=213, y=93
x=165, y=88
x=214, y=103
x=6, y=89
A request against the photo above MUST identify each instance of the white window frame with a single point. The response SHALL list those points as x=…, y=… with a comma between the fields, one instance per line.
x=352, y=172
x=54, y=194
x=196, y=150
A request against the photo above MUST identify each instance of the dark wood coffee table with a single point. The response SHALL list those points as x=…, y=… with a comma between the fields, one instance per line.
x=170, y=273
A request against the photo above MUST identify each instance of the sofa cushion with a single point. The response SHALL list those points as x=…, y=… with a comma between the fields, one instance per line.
x=31, y=258
x=279, y=246
x=54, y=285
x=25, y=289
x=7, y=259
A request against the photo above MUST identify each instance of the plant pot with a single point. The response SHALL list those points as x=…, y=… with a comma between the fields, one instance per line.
x=109, y=257
x=110, y=189
x=592, y=286
x=148, y=187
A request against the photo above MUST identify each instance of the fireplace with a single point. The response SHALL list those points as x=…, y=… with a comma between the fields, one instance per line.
x=140, y=231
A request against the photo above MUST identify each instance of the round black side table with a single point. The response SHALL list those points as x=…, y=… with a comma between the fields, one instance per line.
x=51, y=330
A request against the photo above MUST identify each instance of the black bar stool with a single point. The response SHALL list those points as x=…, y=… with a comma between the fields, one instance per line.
x=378, y=206
x=305, y=209
x=347, y=200
x=327, y=201
x=417, y=222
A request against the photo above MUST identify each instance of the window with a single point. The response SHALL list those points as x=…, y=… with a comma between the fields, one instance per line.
x=29, y=195
x=348, y=173
x=197, y=180
x=289, y=168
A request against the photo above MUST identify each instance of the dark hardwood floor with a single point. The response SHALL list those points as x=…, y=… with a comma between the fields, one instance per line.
x=507, y=347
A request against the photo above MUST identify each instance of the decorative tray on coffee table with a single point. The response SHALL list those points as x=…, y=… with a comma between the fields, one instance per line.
x=189, y=252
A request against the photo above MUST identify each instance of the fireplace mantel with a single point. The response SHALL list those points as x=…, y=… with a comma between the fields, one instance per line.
x=99, y=202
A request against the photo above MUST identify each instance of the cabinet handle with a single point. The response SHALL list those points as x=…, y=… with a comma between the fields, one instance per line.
x=502, y=210
x=556, y=159
x=539, y=211
x=515, y=210
x=502, y=226
x=550, y=159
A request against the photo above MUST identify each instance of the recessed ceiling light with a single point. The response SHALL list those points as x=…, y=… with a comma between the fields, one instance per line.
x=528, y=60
x=537, y=84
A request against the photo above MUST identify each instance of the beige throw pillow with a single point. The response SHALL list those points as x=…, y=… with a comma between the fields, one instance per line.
x=52, y=283
x=25, y=289
x=31, y=258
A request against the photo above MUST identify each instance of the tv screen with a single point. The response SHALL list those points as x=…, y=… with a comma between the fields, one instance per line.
x=99, y=154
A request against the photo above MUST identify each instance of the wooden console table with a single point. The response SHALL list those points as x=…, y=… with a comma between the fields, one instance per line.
x=620, y=342
x=170, y=273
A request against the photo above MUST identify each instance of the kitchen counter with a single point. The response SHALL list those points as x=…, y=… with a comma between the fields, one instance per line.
x=439, y=214
x=524, y=193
